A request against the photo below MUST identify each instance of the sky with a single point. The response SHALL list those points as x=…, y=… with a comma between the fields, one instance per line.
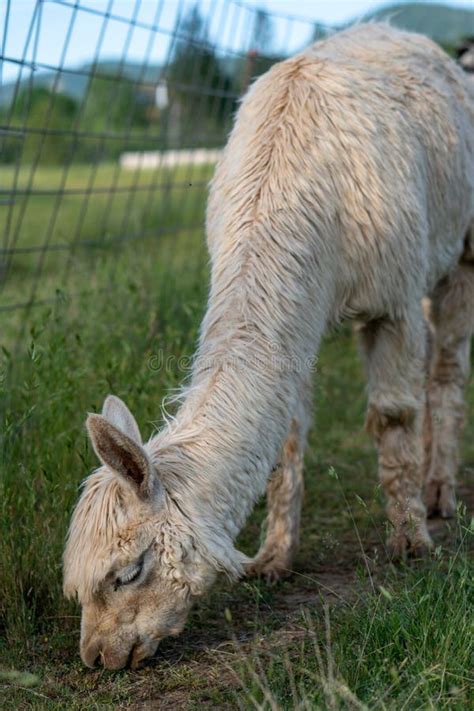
x=46, y=25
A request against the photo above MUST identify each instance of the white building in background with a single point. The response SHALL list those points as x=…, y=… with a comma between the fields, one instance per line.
x=146, y=160
x=161, y=95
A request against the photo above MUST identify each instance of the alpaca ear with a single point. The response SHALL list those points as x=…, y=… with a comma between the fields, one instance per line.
x=117, y=413
x=121, y=453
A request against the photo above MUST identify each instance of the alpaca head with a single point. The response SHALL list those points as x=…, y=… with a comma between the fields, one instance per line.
x=129, y=557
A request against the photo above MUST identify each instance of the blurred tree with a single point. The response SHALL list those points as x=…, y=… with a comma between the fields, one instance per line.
x=33, y=112
x=201, y=100
x=44, y=123
x=262, y=35
x=319, y=32
x=260, y=57
x=113, y=103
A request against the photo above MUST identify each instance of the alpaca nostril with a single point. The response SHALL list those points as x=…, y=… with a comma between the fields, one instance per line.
x=131, y=657
x=92, y=656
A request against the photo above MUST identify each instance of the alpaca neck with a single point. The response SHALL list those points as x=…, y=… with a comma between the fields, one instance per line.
x=217, y=455
x=258, y=337
x=227, y=436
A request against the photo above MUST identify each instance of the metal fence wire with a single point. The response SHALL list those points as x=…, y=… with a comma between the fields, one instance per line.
x=97, y=152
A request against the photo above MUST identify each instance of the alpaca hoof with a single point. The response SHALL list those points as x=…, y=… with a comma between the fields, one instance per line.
x=409, y=544
x=440, y=499
x=272, y=569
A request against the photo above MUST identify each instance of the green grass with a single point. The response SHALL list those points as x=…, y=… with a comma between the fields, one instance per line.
x=347, y=630
x=114, y=209
x=405, y=646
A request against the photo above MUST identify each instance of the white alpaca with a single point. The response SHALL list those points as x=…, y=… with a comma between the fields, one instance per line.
x=345, y=191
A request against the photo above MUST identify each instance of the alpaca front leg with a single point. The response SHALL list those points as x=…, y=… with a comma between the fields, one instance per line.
x=284, y=499
x=396, y=366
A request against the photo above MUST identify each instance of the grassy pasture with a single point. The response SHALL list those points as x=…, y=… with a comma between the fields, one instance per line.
x=346, y=631
x=87, y=217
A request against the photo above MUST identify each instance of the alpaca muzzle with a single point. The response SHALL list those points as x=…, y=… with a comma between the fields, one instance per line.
x=95, y=654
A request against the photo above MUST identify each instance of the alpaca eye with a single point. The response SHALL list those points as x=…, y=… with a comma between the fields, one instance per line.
x=129, y=575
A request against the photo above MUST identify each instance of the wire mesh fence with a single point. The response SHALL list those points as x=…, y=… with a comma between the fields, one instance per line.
x=98, y=153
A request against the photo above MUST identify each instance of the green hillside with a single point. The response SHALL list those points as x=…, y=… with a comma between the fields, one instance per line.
x=447, y=25
x=74, y=83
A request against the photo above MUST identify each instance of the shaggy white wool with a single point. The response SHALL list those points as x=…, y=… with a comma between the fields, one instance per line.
x=345, y=190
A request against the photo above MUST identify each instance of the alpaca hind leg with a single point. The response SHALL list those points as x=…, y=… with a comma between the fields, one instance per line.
x=284, y=499
x=453, y=318
x=395, y=354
